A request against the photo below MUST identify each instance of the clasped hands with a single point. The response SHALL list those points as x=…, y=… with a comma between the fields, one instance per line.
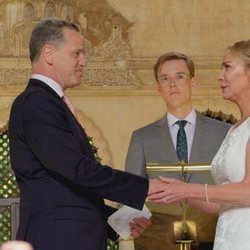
x=166, y=190
x=161, y=190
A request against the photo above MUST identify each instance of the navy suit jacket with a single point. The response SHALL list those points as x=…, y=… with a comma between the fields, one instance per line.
x=62, y=185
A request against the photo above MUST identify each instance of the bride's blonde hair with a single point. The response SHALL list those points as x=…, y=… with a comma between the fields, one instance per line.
x=242, y=48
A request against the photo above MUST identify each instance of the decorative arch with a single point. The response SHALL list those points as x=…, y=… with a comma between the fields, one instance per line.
x=95, y=133
x=49, y=10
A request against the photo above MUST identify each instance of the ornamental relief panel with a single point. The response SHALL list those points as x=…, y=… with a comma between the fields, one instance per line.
x=104, y=29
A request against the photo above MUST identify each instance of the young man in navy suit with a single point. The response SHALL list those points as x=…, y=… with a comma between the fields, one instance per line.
x=62, y=185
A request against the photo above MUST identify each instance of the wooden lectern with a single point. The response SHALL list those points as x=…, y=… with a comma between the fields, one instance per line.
x=185, y=230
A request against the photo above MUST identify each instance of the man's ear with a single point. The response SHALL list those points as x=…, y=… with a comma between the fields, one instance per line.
x=193, y=82
x=47, y=53
x=157, y=87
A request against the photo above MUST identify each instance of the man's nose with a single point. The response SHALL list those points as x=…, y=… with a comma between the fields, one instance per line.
x=83, y=61
x=172, y=81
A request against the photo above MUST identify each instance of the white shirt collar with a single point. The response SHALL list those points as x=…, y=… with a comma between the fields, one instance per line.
x=51, y=83
x=190, y=118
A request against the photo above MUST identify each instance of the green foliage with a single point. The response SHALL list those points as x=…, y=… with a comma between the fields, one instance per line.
x=219, y=115
x=8, y=185
x=95, y=149
x=111, y=245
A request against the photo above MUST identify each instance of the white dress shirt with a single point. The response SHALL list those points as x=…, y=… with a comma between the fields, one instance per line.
x=51, y=83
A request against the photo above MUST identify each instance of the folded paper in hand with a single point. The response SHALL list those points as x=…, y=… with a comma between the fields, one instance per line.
x=120, y=220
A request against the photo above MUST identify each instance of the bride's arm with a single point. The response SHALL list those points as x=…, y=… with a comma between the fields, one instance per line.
x=211, y=208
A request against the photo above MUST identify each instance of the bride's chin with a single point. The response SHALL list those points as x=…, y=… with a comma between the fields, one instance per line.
x=226, y=95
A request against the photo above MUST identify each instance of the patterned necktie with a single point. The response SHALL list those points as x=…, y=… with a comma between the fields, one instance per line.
x=181, y=145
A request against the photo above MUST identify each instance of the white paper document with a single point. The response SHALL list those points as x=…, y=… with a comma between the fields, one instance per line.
x=120, y=220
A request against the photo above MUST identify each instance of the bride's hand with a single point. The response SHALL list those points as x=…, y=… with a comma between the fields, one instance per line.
x=169, y=180
x=173, y=191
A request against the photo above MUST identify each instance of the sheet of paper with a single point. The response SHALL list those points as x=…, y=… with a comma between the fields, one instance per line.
x=119, y=220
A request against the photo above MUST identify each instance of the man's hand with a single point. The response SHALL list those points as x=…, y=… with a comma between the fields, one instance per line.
x=138, y=226
x=16, y=245
x=156, y=186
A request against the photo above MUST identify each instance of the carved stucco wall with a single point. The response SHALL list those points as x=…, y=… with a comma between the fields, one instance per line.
x=123, y=39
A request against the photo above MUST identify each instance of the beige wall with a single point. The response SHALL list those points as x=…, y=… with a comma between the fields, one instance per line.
x=117, y=94
x=197, y=27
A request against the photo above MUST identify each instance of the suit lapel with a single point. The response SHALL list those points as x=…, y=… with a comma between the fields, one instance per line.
x=169, y=154
x=199, y=137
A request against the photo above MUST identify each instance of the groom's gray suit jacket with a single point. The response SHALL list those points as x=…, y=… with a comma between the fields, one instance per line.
x=153, y=144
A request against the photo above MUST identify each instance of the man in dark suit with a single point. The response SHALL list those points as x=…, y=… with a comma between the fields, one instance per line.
x=61, y=183
x=156, y=142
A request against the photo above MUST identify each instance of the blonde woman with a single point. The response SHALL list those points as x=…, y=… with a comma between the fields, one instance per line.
x=230, y=198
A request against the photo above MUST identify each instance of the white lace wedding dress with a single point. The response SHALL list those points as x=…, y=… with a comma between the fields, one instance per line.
x=233, y=227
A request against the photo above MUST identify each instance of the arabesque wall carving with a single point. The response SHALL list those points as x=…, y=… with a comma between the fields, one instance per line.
x=104, y=29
